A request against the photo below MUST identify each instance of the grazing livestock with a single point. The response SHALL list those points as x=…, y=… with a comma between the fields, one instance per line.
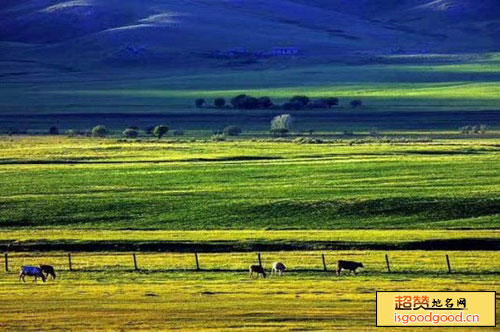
x=31, y=271
x=259, y=270
x=348, y=265
x=279, y=268
x=48, y=270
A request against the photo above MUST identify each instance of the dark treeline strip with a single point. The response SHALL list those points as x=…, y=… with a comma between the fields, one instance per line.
x=484, y=244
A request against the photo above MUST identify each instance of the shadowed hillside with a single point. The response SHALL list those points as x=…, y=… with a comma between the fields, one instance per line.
x=103, y=31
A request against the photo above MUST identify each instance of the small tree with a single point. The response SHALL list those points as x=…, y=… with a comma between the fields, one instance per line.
x=219, y=102
x=281, y=124
x=99, y=131
x=265, y=102
x=53, y=130
x=149, y=130
x=160, y=131
x=245, y=102
x=356, y=103
x=232, y=131
x=237, y=100
x=332, y=101
x=199, y=102
x=130, y=133
x=304, y=100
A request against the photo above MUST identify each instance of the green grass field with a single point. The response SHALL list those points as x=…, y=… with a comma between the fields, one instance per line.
x=394, y=83
x=89, y=183
x=103, y=293
x=101, y=199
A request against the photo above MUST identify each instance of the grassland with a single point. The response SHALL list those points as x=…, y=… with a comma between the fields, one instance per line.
x=418, y=83
x=89, y=183
x=239, y=196
x=103, y=292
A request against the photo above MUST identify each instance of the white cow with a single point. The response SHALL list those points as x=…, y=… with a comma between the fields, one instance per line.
x=278, y=268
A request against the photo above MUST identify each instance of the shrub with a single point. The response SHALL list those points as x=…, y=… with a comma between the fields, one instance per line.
x=70, y=132
x=199, y=102
x=130, y=133
x=53, y=130
x=265, y=102
x=304, y=100
x=308, y=140
x=149, y=130
x=232, y=131
x=219, y=102
x=133, y=127
x=99, y=131
x=160, y=131
x=356, y=103
x=281, y=125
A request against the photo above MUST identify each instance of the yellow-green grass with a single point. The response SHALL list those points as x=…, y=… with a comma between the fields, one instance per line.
x=61, y=182
x=104, y=294
x=465, y=92
x=32, y=149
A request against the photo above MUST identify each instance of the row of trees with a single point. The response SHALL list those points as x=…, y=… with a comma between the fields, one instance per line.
x=298, y=102
x=131, y=132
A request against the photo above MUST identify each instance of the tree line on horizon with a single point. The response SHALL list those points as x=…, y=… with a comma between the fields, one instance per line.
x=296, y=103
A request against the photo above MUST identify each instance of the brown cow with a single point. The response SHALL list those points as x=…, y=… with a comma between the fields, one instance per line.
x=348, y=265
x=256, y=269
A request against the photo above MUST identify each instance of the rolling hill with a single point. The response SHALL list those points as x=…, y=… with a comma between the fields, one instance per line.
x=96, y=32
x=98, y=56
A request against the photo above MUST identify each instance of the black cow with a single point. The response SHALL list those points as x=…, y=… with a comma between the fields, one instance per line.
x=348, y=265
x=48, y=270
x=256, y=269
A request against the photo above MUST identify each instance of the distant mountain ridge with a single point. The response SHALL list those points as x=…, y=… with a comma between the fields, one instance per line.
x=104, y=31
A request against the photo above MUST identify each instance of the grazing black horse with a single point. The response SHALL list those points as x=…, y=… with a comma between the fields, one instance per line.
x=48, y=270
x=31, y=271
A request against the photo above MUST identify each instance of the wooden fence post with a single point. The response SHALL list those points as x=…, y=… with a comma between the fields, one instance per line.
x=6, y=262
x=387, y=263
x=69, y=262
x=197, y=261
x=135, y=262
x=260, y=261
x=324, y=262
x=448, y=263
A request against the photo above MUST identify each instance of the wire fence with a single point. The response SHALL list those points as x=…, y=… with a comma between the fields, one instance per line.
x=305, y=261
